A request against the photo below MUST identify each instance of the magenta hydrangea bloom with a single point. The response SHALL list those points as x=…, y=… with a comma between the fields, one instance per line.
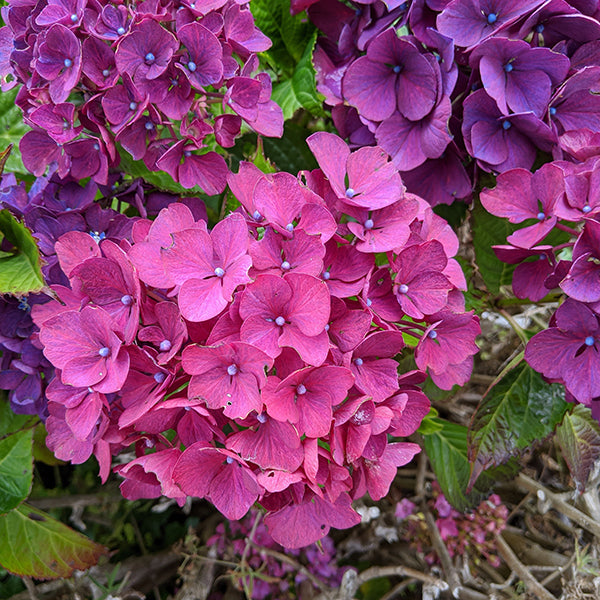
x=392, y=76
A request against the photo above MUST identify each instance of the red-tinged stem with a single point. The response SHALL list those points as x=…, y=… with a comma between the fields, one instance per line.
x=567, y=229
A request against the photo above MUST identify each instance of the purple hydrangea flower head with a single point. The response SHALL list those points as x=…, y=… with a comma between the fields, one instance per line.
x=569, y=348
x=392, y=76
x=469, y=22
x=517, y=76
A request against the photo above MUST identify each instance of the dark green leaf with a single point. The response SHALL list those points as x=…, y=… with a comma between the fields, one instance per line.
x=579, y=439
x=303, y=81
x=36, y=545
x=283, y=94
x=488, y=231
x=290, y=153
x=519, y=410
x=446, y=449
x=16, y=469
x=289, y=33
x=21, y=270
x=12, y=129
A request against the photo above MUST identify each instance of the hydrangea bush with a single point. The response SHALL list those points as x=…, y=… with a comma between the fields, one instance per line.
x=277, y=353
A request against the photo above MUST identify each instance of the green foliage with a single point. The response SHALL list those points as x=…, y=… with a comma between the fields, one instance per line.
x=290, y=153
x=42, y=547
x=300, y=90
x=446, y=447
x=16, y=468
x=20, y=268
x=487, y=231
x=289, y=34
x=578, y=437
x=12, y=129
x=519, y=410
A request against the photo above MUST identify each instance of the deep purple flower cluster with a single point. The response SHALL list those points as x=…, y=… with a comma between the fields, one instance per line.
x=98, y=75
x=255, y=361
x=473, y=533
x=446, y=87
x=270, y=577
x=559, y=196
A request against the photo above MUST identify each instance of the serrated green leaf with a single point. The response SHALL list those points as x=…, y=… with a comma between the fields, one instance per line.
x=12, y=129
x=430, y=424
x=290, y=153
x=446, y=449
x=21, y=272
x=579, y=439
x=303, y=81
x=488, y=231
x=283, y=94
x=11, y=422
x=36, y=545
x=516, y=412
x=288, y=33
x=16, y=469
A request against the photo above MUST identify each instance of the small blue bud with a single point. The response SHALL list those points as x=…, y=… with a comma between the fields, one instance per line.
x=149, y=125
x=280, y=321
x=492, y=18
x=508, y=67
x=121, y=30
x=432, y=334
x=106, y=73
x=397, y=69
x=150, y=57
x=541, y=216
x=290, y=227
x=369, y=224
x=126, y=300
x=358, y=362
x=232, y=370
x=326, y=275
x=192, y=66
x=104, y=352
x=68, y=62
x=73, y=18
x=301, y=389
x=132, y=105
x=159, y=377
x=165, y=346
x=262, y=418
x=403, y=288
x=257, y=216
x=219, y=272
x=539, y=28
x=187, y=153
x=285, y=265
x=589, y=340
x=587, y=208
x=506, y=125
x=350, y=193
x=552, y=111
x=229, y=460
x=96, y=147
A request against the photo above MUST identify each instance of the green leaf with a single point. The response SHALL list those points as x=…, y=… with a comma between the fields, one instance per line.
x=579, y=439
x=519, y=410
x=21, y=272
x=290, y=153
x=303, y=81
x=488, y=231
x=16, y=469
x=12, y=129
x=284, y=95
x=288, y=33
x=430, y=424
x=446, y=449
x=10, y=422
x=36, y=545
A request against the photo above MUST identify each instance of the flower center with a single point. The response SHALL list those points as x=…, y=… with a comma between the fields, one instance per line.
x=403, y=288
x=539, y=28
x=159, y=377
x=98, y=236
x=68, y=62
x=492, y=18
x=232, y=370
x=326, y=275
x=262, y=418
x=256, y=216
x=369, y=224
x=285, y=265
x=397, y=69
x=149, y=57
x=229, y=460
x=104, y=352
x=432, y=334
x=290, y=227
x=358, y=362
x=126, y=299
x=121, y=30
x=301, y=389
x=508, y=67
x=132, y=105
x=350, y=193
x=506, y=125
x=192, y=66
x=219, y=272
x=149, y=125
x=552, y=111
x=280, y=321
x=587, y=208
x=541, y=216
x=589, y=340
x=165, y=346
x=106, y=73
